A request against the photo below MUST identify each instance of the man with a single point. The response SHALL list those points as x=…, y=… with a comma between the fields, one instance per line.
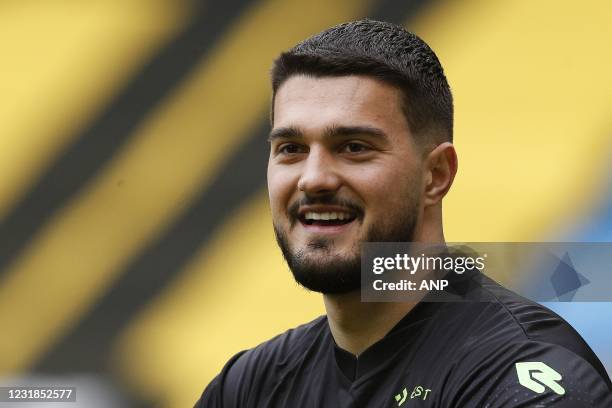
x=361, y=151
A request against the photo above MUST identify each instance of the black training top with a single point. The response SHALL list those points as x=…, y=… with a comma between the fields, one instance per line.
x=507, y=352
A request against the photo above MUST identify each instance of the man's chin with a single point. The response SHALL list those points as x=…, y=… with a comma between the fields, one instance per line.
x=327, y=276
x=320, y=265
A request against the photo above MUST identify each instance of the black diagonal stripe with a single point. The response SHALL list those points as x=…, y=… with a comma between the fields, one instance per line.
x=87, y=346
x=105, y=135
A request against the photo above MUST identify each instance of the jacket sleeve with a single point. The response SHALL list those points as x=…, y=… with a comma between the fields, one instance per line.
x=530, y=374
x=221, y=392
x=212, y=395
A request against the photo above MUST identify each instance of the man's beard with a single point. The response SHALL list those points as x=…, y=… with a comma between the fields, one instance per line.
x=343, y=273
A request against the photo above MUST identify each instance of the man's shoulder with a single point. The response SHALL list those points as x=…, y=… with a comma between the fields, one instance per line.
x=534, y=325
x=513, y=348
x=287, y=346
x=254, y=372
x=527, y=372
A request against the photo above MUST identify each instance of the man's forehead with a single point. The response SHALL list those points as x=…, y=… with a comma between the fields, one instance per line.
x=345, y=100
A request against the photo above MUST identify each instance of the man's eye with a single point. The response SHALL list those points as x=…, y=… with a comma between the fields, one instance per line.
x=290, y=148
x=354, y=147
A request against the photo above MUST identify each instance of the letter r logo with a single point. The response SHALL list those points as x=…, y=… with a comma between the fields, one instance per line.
x=535, y=375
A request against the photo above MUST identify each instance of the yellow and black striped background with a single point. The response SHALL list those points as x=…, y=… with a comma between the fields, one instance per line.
x=135, y=240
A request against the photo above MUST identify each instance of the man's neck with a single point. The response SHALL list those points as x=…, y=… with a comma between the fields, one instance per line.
x=356, y=325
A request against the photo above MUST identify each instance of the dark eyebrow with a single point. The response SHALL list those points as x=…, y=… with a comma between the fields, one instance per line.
x=333, y=131
x=354, y=130
x=285, y=133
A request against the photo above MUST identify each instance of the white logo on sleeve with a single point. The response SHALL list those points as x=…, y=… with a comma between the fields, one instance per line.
x=536, y=375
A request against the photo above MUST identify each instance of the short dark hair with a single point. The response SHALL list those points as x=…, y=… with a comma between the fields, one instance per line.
x=386, y=52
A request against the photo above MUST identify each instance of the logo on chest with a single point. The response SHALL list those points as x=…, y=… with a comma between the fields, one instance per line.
x=419, y=392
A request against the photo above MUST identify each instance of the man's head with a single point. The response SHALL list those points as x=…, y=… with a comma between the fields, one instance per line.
x=360, y=148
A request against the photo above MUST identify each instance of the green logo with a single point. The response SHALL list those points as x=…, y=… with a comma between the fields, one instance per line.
x=401, y=398
x=535, y=375
x=418, y=392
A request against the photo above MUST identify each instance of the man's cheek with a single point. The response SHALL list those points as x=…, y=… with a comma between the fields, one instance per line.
x=277, y=210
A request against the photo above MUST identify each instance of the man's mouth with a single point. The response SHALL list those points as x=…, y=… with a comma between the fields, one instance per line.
x=327, y=219
x=331, y=218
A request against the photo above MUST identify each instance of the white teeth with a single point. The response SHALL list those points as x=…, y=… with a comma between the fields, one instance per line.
x=311, y=215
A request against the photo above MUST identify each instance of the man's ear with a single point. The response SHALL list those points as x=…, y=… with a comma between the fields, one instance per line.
x=440, y=168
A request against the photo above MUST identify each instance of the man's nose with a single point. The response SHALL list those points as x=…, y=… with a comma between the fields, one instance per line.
x=319, y=175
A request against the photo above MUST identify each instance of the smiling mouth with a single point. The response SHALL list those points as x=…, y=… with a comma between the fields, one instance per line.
x=326, y=218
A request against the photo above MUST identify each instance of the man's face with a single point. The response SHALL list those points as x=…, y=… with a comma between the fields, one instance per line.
x=343, y=169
